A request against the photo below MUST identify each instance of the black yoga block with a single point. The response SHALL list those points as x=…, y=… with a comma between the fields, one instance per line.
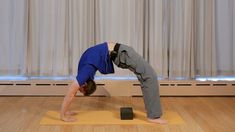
x=126, y=113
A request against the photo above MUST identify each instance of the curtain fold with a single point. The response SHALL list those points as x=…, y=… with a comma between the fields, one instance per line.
x=181, y=41
x=81, y=30
x=158, y=36
x=13, y=37
x=224, y=37
x=233, y=37
x=205, y=38
x=48, y=44
x=120, y=21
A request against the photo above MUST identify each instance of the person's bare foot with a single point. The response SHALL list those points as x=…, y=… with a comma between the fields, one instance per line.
x=69, y=119
x=71, y=113
x=158, y=120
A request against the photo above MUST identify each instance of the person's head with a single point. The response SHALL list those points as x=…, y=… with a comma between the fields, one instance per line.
x=88, y=88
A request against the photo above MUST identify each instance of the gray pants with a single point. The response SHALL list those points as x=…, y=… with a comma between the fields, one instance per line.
x=127, y=58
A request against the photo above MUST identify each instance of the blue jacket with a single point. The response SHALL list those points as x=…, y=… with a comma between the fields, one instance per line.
x=93, y=59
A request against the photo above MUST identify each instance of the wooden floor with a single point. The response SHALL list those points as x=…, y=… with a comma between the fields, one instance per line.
x=201, y=114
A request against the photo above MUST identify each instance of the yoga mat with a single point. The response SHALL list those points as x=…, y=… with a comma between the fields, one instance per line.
x=107, y=117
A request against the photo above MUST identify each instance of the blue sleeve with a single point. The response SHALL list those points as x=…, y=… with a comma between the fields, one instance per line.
x=87, y=72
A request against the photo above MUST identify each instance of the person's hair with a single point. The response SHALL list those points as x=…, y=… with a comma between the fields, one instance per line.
x=90, y=88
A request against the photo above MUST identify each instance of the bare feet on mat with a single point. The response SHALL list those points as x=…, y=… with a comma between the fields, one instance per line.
x=71, y=113
x=158, y=120
x=69, y=119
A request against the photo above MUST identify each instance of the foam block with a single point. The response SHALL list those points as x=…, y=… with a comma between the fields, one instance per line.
x=126, y=113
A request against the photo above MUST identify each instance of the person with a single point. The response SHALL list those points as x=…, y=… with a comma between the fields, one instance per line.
x=101, y=57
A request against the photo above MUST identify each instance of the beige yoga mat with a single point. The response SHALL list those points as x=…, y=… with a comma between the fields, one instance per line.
x=107, y=117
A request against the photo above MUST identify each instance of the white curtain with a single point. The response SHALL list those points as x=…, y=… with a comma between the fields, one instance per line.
x=205, y=38
x=60, y=31
x=13, y=37
x=157, y=32
x=233, y=53
x=215, y=38
x=224, y=37
x=179, y=38
x=81, y=31
x=48, y=40
x=120, y=21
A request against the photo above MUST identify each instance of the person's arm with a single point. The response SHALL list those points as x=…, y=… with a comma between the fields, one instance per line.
x=67, y=101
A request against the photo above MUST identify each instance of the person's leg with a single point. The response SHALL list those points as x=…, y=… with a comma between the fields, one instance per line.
x=150, y=90
x=151, y=96
x=128, y=58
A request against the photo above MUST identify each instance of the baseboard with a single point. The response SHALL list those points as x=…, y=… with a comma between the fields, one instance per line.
x=118, y=88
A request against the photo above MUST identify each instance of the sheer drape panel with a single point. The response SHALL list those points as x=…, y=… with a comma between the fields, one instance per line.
x=81, y=30
x=224, y=39
x=120, y=21
x=179, y=38
x=48, y=40
x=158, y=36
x=181, y=60
x=205, y=38
x=13, y=37
x=233, y=37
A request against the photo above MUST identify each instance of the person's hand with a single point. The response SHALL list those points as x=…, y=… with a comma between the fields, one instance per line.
x=68, y=119
x=71, y=113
